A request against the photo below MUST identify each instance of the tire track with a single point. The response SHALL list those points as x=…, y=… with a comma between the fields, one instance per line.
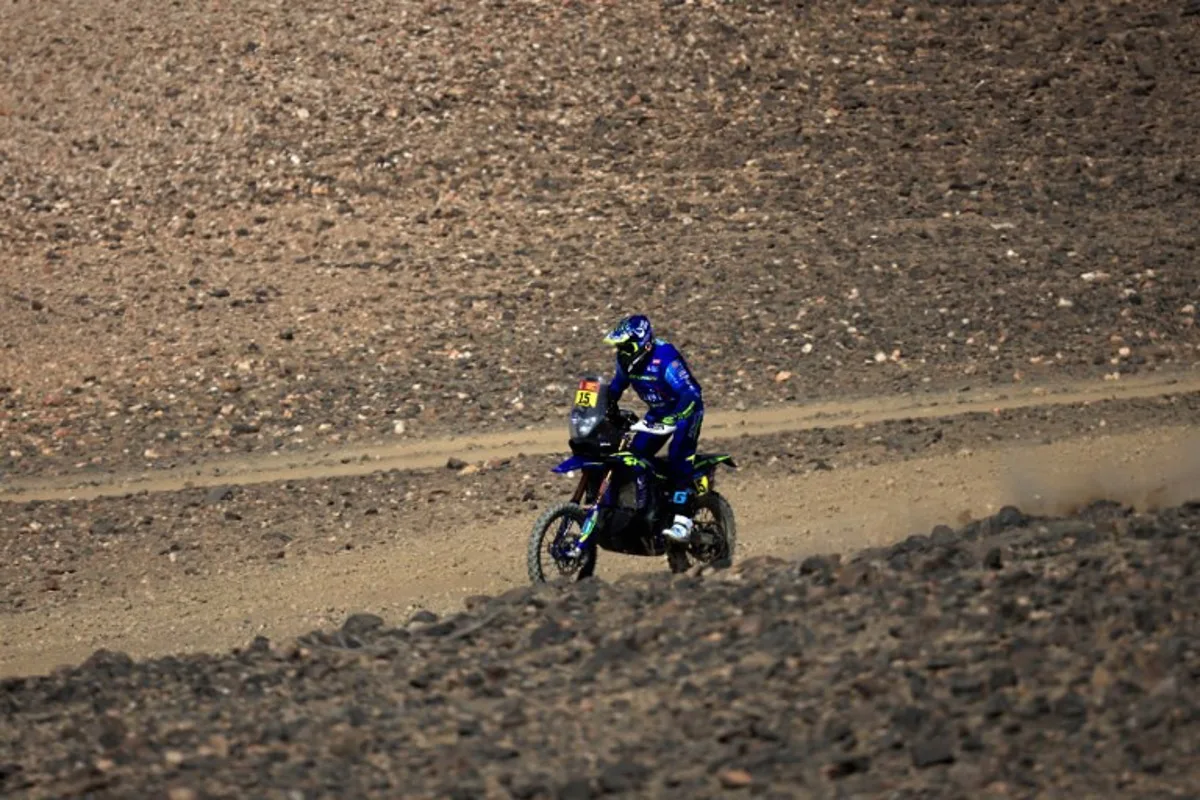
x=785, y=516
x=719, y=425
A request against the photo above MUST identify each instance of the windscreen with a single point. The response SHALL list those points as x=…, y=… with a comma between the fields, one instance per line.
x=588, y=406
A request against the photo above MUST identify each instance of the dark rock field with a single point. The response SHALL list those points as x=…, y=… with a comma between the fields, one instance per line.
x=1014, y=657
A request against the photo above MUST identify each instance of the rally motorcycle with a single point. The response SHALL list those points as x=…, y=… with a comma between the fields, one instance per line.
x=603, y=513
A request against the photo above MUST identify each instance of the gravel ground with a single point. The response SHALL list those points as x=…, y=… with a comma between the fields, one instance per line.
x=64, y=553
x=251, y=227
x=1014, y=657
x=233, y=227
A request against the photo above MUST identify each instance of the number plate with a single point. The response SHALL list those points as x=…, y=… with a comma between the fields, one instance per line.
x=585, y=399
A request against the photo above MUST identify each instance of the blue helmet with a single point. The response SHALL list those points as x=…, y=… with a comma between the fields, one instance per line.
x=633, y=340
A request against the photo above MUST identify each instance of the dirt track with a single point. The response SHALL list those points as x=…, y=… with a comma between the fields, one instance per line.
x=258, y=259
x=719, y=426
x=435, y=559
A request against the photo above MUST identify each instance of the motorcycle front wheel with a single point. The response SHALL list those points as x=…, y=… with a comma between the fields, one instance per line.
x=559, y=527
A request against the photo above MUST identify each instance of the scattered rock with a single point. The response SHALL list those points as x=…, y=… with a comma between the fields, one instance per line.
x=586, y=165
x=104, y=526
x=978, y=664
x=361, y=624
x=931, y=752
x=330, y=344
x=735, y=778
x=219, y=494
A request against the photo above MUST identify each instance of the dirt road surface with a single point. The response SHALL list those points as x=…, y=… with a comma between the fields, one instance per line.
x=436, y=562
x=718, y=426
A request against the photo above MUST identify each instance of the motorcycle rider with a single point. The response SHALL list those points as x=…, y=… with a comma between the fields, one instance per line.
x=661, y=378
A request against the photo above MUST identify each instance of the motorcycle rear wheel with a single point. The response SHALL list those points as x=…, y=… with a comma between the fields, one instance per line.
x=714, y=517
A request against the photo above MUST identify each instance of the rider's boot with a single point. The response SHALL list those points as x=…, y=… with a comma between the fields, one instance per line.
x=681, y=529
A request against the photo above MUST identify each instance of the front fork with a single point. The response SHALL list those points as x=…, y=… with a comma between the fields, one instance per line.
x=575, y=550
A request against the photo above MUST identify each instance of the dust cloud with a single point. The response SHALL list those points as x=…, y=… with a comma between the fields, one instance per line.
x=1144, y=479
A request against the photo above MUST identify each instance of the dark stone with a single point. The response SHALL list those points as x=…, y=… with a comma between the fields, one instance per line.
x=1002, y=677
x=940, y=661
x=104, y=527
x=968, y=687
x=576, y=789
x=455, y=463
x=1073, y=709
x=846, y=766
x=111, y=732
x=909, y=719
x=971, y=531
x=531, y=787
x=361, y=624
x=622, y=777
x=1008, y=517
x=110, y=662
x=443, y=628
x=943, y=535
x=933, y=751
x=993, y=559
x=549, y=633
x=816, y=564
x=839, y=734
x=219, y=494
x=517, y=596
x=997, y=705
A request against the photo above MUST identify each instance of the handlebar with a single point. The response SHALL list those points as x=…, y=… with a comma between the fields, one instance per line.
x=622, y=418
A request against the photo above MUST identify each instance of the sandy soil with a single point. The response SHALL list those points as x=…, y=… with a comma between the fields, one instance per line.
x=171, y=570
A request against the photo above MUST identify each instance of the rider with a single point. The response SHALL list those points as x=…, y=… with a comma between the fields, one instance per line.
x=660, y=376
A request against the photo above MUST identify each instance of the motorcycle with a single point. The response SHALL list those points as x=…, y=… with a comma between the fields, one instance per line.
x=603, y=513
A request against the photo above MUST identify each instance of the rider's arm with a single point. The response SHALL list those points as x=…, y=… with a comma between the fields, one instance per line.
x=680, y=379
x=617, y=386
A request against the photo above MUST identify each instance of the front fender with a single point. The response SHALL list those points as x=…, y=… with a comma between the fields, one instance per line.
x=577, y=462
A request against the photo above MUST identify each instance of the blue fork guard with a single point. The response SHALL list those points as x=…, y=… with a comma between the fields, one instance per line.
x=577, y=462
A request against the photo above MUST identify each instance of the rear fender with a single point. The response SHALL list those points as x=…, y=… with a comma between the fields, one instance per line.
x=708, y=464
x=703, y=469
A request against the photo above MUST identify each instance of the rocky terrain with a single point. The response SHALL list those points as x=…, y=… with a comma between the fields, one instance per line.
x=1013, y=657
x=250, y=226
x=231, y=230
x=71, y=554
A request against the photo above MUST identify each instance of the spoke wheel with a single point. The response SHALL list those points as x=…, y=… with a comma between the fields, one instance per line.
x=714, y=533
x=555, y=531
